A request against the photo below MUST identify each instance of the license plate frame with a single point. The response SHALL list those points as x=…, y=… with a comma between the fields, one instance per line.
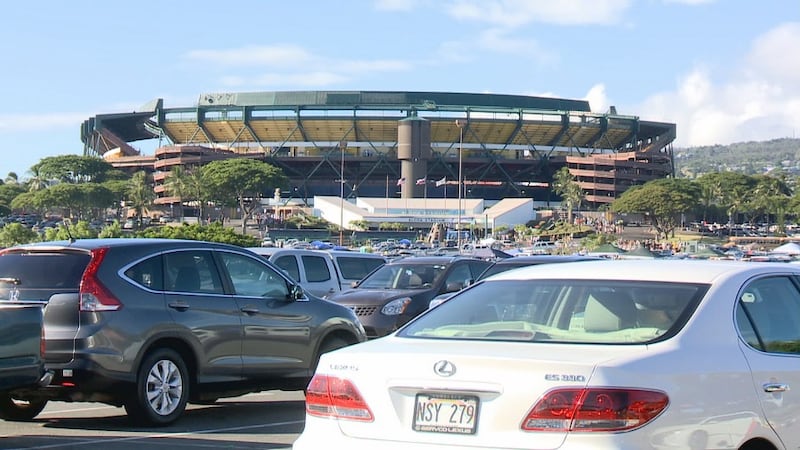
x=437, y=412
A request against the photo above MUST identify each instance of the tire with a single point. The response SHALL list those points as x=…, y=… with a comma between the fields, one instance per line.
x=162, y=389
x=20, y=410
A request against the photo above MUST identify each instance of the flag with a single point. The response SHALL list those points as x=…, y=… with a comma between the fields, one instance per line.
x=401, y=181
x=441, y=182
x=421, y=181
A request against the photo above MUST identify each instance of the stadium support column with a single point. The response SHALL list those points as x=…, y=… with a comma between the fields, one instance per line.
x=414, y=152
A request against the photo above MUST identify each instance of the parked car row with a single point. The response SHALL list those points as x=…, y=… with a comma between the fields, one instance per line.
x=525, y=353
x=151, y=324
x=656, y=354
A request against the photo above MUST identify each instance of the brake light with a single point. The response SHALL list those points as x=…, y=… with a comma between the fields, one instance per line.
x=594, y=409
x=93, y=293
x=328, y=396
x=42, y=345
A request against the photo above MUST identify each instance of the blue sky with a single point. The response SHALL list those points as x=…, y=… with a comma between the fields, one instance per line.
x=723, y=70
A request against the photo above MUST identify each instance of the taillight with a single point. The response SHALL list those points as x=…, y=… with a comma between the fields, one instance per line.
x=42, y=345
x=594, y=409
x=94, y=295
x=337, y=398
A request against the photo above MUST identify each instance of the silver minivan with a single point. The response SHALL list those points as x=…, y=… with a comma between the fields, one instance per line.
x=322, y=272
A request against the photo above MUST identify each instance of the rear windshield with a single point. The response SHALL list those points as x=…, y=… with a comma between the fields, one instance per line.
x=23, y=273
x=356, y=268
x=564, y=311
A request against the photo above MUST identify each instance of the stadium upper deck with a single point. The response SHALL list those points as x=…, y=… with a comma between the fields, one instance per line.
x=511, y=144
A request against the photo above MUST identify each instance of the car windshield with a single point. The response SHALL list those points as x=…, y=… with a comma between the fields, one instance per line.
x=565, y=311
x=404, y=276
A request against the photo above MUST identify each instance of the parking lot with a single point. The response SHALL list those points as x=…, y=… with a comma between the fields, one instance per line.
x=267, y=420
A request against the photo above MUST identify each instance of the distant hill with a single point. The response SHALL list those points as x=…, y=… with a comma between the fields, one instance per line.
x=750, y=158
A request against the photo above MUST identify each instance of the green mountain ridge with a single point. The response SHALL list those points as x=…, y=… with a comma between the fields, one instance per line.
x=750, y=158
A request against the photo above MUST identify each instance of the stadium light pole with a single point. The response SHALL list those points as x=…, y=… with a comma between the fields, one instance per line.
x=460, y=124
x=342, y=146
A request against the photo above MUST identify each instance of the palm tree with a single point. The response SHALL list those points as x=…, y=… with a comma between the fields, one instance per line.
x=140, y=193
x=197, y=190
x=572, y=195
x=37, y=182
x=177, y=185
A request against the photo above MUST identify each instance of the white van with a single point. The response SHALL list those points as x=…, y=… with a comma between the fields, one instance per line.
x=322, y=272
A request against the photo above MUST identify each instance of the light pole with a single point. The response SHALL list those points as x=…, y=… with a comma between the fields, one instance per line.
x=460, y=124
x=342, y=146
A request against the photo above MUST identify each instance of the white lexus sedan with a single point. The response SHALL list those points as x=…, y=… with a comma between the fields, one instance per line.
x=661, y=354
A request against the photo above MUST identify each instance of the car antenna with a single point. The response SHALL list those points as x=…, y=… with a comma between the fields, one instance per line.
x=67, y=224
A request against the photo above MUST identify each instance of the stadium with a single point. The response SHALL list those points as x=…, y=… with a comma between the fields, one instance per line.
x=395, y=145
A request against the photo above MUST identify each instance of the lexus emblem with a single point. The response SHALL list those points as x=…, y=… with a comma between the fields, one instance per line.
x=444, y=368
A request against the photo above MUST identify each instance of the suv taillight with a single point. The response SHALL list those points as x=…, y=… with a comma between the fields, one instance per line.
x=334, y=397
x=594, y=409
x=94, y=295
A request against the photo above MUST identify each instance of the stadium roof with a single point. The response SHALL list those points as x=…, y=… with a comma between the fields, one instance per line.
x=285, y=118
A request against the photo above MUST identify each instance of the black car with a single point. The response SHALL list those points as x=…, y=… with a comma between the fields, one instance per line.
x=501, y=265
x=401, y=289
x=151, y=324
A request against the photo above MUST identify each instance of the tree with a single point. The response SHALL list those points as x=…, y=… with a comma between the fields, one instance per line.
x=119, y=192
x=15, y=234
x=362, y=225
x=770, y=195
x=663, y=200
x=140, y=193
x=8, y=192
x=37, y=182
x=76, y=199
x=242, y=182
x=728, y=189
x=572, y=195
x=196, y=190
x=73, y=169
x=176, y=185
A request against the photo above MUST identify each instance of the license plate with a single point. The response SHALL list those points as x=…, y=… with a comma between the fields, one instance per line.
x=446, y=413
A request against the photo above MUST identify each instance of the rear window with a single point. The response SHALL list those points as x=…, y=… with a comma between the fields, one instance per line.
x=24, y=275
x=564, y=311
x=355, y=268
x=498, y=268
x=316, y=269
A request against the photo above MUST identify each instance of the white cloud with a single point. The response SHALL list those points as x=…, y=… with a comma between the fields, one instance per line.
x=289, y=65
x=395, y=5
x=758, y=99
x=774, y=54
x=15, y=123
x=514, y=13
x=252, y=55
x=497, y=40
x=302, y=79
x=690, y=2
x=597, y=98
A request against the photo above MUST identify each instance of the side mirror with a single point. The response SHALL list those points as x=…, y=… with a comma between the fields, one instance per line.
x=438, y=300
x=297, y=292
x=354, y=284
x=453, y=286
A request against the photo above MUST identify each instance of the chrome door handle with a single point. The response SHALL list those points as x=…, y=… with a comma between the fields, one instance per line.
x=775, y=387
x=250, y=310
x=180, y=306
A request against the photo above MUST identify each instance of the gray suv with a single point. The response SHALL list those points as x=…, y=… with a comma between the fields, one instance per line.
x=151, y=324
